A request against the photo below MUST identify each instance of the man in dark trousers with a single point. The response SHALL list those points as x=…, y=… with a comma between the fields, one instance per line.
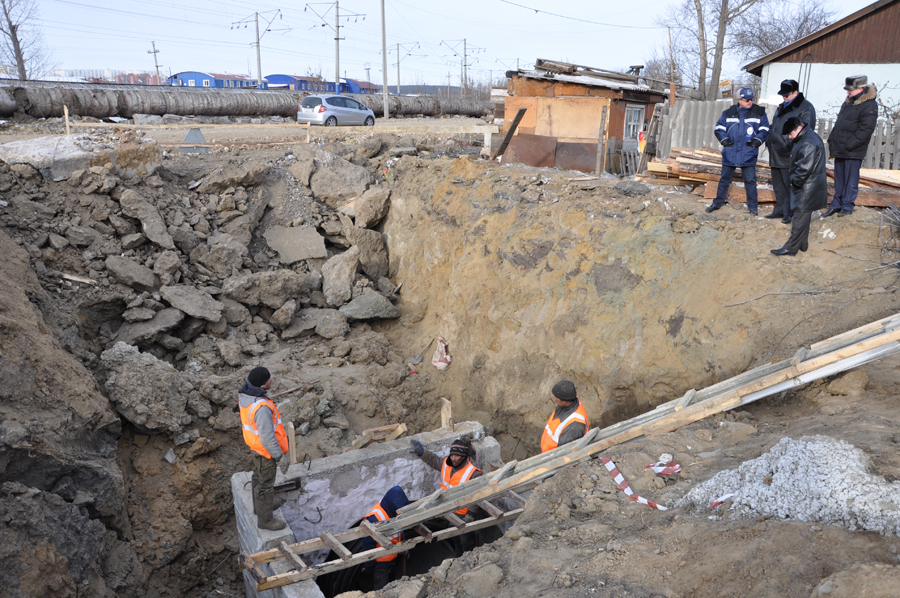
x=849, y=141
x=568, y=422
x=809, y=185
x=741, y=130
x=385, y=509
x=779, y=145
x=265, y=435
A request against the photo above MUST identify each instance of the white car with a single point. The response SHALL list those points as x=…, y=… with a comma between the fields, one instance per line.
x=332, y=110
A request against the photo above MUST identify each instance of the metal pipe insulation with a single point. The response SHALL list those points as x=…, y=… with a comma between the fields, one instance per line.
x=46, y=100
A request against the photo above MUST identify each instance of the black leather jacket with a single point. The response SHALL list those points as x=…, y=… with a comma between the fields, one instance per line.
x=809, y=184
x=780, y=145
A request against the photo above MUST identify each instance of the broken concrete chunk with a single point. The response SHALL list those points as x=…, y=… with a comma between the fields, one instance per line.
x=153, y=225
x=302, y=170
x=193, y=302
x=370, y=306
x=232, y=175
x=145, y=333
x=632, y=188
x=337, y=277
x=327, y=323
x=138, y=314
x=56, y=242
x=230, y=352
x=185, y=240
x=132, y=274
x=234, y=312
x=132, y=241
x=271, y=288
x=372, y=207
x=296, y=243
x=166, y=265
x=373, y=257
x=283, y=315
x=242, y=227
x=336, y=179
x=226, y=254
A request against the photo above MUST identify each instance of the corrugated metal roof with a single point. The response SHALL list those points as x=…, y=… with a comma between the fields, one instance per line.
x=590, y=81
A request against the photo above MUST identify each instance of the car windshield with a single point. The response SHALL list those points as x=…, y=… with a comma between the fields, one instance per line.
x=311, y=102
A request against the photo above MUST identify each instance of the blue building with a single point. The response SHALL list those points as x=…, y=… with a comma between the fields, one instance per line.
x=198, y=79
x=313, y=85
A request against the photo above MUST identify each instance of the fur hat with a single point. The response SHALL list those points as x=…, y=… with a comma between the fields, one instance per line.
x=564, y=390
x=791, y=124
x=788, y=86
x=258, y=376
x=855, y=82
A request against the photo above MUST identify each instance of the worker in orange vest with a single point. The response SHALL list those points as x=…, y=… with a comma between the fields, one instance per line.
x=568, y=422
x=385, y=509
x=265, y=435
x=454, y=470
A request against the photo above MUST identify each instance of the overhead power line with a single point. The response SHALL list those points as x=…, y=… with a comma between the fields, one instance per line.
x=553, y=14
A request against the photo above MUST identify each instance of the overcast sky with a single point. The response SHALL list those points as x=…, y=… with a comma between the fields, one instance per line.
x=219, y=35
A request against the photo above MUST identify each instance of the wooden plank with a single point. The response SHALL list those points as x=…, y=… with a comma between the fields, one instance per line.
x=397, y=433
x=601, y=143
x=490, y=509
x=691, y=414
x=502, y=472
x=80, y=279
x=871, y=326
x=685, y=400
x=292, y=443
x=516, y=498
x=292, y=557
x=446, y=413
x=335, y=545
x=425, y=532
x=799, y=356
x=509, y=133
x=250, y=565
x=586, y=439
x=370, y=531
x=453, y=519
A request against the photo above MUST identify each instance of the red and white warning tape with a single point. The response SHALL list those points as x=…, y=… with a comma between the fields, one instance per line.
x=664, y=468
x=620, y=480
x=720, y=500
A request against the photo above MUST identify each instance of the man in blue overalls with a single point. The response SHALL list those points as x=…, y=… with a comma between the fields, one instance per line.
x=741, y=130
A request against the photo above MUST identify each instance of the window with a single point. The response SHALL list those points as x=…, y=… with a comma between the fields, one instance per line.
x=206, y=83
x=634, y=121
x=339, y=102
x=191, y=83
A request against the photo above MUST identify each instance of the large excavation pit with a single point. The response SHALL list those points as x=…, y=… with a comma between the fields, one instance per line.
x=333, y=493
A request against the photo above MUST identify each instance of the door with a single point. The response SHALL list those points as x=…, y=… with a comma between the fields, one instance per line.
x=358, y=110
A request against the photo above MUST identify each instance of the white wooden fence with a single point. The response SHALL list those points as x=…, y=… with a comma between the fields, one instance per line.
x=691, y=124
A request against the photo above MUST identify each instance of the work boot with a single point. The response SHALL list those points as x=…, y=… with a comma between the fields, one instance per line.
x=266, y=518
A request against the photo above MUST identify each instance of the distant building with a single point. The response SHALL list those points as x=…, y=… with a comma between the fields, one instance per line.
x=137, y=79
x=198, y=79
x=316, y=85
x=863, y=43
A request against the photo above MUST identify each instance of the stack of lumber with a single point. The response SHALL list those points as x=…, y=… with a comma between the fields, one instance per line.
x=694, y=166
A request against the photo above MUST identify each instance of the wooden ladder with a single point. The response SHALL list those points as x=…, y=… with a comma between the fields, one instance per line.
x=839, y=353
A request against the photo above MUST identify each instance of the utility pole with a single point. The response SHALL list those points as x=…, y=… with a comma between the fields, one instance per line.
x=155, y=52
x=466, y=66
x=462, y=70
x=337, y=49
x=398, y=70
x=384, y=86
x=258, y=61
x=672, y=72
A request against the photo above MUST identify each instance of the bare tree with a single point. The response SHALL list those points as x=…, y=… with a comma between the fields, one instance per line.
x=22, y=43
x=764, y=32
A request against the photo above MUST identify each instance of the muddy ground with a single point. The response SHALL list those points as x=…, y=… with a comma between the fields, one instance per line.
x=529, y=275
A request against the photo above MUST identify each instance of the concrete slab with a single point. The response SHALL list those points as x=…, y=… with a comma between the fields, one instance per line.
x=296, y=243
x=335, y=492
x=58, y=157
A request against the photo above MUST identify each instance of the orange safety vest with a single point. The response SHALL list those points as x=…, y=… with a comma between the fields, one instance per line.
x=450, y=479
x=251, y=433
x=381, y=515
x=554, y=428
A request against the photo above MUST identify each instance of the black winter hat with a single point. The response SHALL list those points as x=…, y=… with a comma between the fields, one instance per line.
x=564, y=390
x=460, y=446
x=258, y=376
x=855, y=82
x=788, y=86
x=791, y=124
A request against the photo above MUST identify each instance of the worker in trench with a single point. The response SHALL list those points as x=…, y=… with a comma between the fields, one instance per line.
x=568, y=422
x=385, y=509
x=265, y=435
x=456, y=469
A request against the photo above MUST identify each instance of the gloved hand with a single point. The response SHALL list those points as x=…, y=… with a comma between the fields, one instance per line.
x=726, y=142
x=283, y=464
x=755, y=142
x=417, y=447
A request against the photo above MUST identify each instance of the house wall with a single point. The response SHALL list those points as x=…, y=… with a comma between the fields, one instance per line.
x=565, y=118
x=826, y=83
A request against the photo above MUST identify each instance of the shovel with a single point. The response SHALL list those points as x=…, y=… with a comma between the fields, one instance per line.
x=417, y=359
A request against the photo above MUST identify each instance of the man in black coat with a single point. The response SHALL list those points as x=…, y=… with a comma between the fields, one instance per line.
x=780, y=146
x=849, y=141
x=809, y=184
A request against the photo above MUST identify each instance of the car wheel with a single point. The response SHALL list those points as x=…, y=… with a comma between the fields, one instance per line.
x=370, y=122
x=331, y=122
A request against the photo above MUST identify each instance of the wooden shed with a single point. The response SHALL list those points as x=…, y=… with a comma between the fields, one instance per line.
x=565, y=107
